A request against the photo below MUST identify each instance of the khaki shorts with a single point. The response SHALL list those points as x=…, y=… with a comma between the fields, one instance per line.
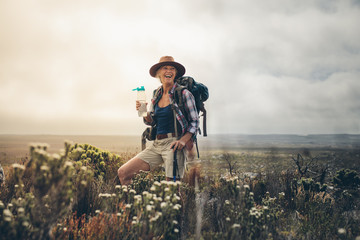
x=159, y=153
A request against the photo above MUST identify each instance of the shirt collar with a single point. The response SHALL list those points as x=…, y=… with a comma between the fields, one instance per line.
x=173, y=89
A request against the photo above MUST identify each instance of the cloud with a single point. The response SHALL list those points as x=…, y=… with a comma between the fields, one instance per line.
x=271, y=67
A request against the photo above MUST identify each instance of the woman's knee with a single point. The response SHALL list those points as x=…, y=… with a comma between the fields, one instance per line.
x=129, y=169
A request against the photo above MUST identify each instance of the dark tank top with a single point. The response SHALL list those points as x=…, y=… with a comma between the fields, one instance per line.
x=165, y=119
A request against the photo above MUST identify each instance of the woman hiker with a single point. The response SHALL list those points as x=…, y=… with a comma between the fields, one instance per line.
x=161, y=151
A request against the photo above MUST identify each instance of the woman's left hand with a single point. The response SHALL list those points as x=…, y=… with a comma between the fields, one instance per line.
x=177, y=145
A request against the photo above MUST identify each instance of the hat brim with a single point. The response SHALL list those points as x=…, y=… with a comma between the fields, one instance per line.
x=180, y=68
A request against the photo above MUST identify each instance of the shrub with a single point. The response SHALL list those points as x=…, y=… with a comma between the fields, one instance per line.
x=347, y=184
x=55, y=184
x=103, y=163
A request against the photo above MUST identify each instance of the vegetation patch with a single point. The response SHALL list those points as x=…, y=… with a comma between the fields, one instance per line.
x=73, y=195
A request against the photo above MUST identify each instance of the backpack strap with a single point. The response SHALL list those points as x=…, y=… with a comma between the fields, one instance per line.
x=178, y=97
x=204, y=119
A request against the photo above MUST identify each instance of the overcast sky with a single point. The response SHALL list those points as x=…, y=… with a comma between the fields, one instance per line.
x=281, y=66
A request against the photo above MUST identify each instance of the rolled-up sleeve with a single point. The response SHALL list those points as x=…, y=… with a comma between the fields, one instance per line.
x=192, y=114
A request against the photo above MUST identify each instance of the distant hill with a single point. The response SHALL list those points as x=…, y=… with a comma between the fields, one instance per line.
x=280, y=140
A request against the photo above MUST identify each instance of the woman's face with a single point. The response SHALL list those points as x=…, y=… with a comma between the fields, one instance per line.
x=167, y=74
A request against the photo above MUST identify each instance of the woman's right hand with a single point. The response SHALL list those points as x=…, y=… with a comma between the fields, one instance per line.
x=138, y=104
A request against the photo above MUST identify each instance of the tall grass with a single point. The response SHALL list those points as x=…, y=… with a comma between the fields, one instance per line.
x=73, y=195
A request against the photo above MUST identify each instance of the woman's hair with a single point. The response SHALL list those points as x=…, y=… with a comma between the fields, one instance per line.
x=157, y=73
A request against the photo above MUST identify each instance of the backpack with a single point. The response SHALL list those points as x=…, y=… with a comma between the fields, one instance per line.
x=200, y=93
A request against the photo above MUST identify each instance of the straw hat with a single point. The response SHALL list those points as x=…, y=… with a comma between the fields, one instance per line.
x=167, y=60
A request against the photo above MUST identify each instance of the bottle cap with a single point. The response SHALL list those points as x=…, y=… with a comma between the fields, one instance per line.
x=139, y=89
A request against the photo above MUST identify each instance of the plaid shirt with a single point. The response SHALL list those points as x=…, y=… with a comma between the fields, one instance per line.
x=191, y=124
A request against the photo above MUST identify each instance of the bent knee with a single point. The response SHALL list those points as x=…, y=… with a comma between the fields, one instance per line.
x=121, y=173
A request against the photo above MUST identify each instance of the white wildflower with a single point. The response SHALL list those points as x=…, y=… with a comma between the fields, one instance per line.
x=44, y=168
x=21, y=210
x=83, y=182
x=246, y=186
x=117, y=186
x=25, y=224
x=156, y=183
x=167, y=189
x=106, y=195
x=69, y=164
x=138, y=198
x=132, y=191
x=7, y=213
x=175, y=222
x=118, y=214
x=83, y=168
x=65, y=229
x=227, y=219
x=177, y=206
x=176, y=230
x=176, y=197
x=157, y=215
x=341, y=231
x=148, y=207
x=133, y=222
x=235, y=225
x=163, y=204
x=97, y=211
x=227, y=202
x=16, y=165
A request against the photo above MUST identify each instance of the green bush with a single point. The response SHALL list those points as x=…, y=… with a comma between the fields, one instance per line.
x=103, y=163
x=346, y=179
x=347, y=193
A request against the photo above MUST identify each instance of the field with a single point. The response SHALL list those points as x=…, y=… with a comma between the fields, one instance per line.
x=241, y=187
x=15, y=147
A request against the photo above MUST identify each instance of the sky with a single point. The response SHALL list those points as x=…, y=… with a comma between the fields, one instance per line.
x=272, y=67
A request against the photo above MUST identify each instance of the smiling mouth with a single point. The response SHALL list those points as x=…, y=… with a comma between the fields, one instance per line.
x=168, y=76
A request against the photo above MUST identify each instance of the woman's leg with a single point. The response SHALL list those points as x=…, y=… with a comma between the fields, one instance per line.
x=127, y=171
